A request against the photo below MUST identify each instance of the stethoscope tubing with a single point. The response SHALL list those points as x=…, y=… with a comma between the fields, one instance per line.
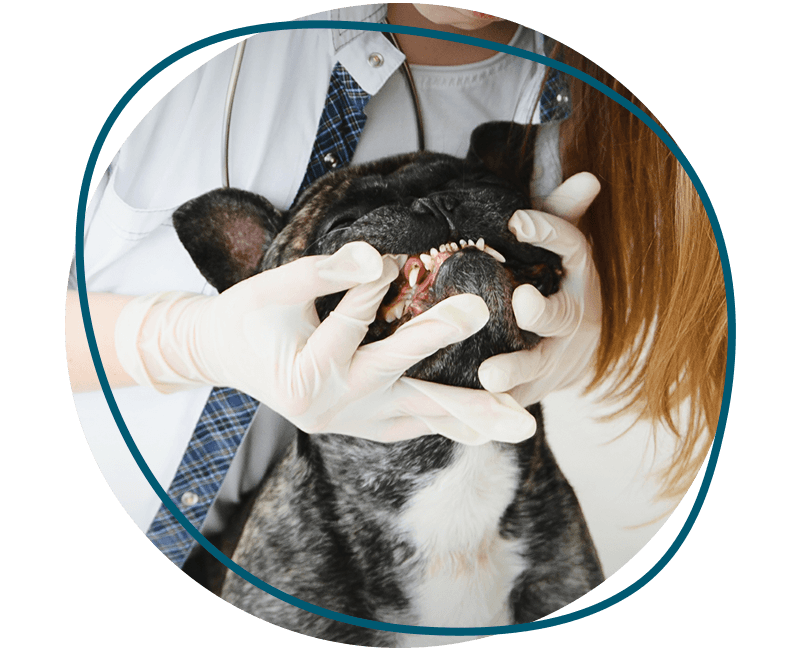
x=231, y=95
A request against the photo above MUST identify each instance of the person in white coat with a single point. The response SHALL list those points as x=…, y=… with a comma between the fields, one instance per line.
x=307, y=101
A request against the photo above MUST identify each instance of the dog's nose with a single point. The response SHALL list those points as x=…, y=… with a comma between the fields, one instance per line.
x=438, y=206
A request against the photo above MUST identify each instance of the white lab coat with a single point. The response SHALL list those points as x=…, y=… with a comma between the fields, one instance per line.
x=174, y=155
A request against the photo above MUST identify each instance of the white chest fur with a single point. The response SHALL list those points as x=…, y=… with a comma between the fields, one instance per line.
x=464, y=570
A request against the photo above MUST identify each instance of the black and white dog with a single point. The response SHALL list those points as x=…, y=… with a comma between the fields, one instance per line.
x=428, y=531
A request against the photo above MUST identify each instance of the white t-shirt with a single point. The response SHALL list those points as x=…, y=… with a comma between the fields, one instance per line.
x=453, y=101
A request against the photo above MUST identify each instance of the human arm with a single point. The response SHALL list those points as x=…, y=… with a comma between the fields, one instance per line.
x=263, y=337
x=105, y=309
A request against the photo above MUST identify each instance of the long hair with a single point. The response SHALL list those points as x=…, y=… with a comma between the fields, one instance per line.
x=663, y=346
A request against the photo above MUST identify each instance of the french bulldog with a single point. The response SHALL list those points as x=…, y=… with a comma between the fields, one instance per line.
x=425, y=532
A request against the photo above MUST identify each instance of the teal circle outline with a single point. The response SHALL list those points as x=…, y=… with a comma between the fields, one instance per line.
x=468, y=40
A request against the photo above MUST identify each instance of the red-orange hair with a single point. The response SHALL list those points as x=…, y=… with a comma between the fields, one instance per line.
x=664, y=337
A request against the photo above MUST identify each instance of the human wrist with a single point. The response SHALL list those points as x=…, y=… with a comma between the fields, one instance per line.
x=156, y=340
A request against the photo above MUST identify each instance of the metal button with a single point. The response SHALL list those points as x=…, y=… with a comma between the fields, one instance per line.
x=330, y=160
x=189, y=499
x=375, y=59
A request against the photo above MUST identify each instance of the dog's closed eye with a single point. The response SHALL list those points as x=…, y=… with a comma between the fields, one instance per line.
x=339, y=222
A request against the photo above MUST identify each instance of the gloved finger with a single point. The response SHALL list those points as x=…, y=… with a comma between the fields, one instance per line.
x=408, y=427
x=556, y=315
x=308, y=278
x=553, y=233
x=395, y=429
x=463, y=414
x=404, y=399
x=454, y=429
x=503, y=372
x=572, y=198
x=466, y=434
x=411, y=408
x=336, y=339
x=400, y=413
x=475, y=417
x=447, y=322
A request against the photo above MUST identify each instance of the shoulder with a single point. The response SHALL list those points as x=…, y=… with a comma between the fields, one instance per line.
x=177, y=129
x=360, y=13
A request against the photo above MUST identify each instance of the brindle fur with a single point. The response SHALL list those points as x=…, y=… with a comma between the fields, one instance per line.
x=324, y=525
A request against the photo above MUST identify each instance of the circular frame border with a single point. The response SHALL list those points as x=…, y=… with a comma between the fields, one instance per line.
x=468, y=40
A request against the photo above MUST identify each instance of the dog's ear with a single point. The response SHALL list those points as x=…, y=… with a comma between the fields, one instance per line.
x=227, y=232
x=506, y=150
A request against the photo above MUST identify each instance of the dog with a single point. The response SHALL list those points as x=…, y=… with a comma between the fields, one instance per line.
x=426, y=531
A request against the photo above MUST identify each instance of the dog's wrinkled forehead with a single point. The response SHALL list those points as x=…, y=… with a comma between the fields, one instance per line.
x=425, y=203
x=406, y=204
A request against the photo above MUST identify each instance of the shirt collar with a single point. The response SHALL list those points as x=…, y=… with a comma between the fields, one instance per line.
x=368, y=56
x=361, y=14
x=371, y=59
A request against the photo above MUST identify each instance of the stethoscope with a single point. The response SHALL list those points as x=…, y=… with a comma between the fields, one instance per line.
x=226, y=121
x=236, y=68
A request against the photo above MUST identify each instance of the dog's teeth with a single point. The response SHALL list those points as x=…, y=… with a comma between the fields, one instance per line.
x=434, y=252
x=395, y=313
x=412, y=277
x=453, y=247
x=480, y=244
x=443, y=248
x=471, y=243
x=494, y=254
x=462, y=243
x=426, y=260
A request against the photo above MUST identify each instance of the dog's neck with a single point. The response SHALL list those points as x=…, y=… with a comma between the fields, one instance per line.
x=386, y=476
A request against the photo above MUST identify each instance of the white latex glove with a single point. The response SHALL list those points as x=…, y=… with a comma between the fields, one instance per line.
x=263, y=337
x=569, y=319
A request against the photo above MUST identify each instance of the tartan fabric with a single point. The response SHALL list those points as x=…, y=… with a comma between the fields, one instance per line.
x=339, y=127
x=216, y=437
x=555, y=103
x=228, y=413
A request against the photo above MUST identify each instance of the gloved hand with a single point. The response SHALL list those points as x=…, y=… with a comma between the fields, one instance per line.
x=569, y=319
x=263, y=337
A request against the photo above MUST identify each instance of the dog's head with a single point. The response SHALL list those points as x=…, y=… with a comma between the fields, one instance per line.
x=448, y=215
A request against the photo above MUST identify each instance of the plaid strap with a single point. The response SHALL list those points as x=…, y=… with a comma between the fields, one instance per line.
x=555, y=103
x=228, y=413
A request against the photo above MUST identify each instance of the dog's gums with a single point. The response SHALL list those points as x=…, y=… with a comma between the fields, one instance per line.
x=411, y=294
